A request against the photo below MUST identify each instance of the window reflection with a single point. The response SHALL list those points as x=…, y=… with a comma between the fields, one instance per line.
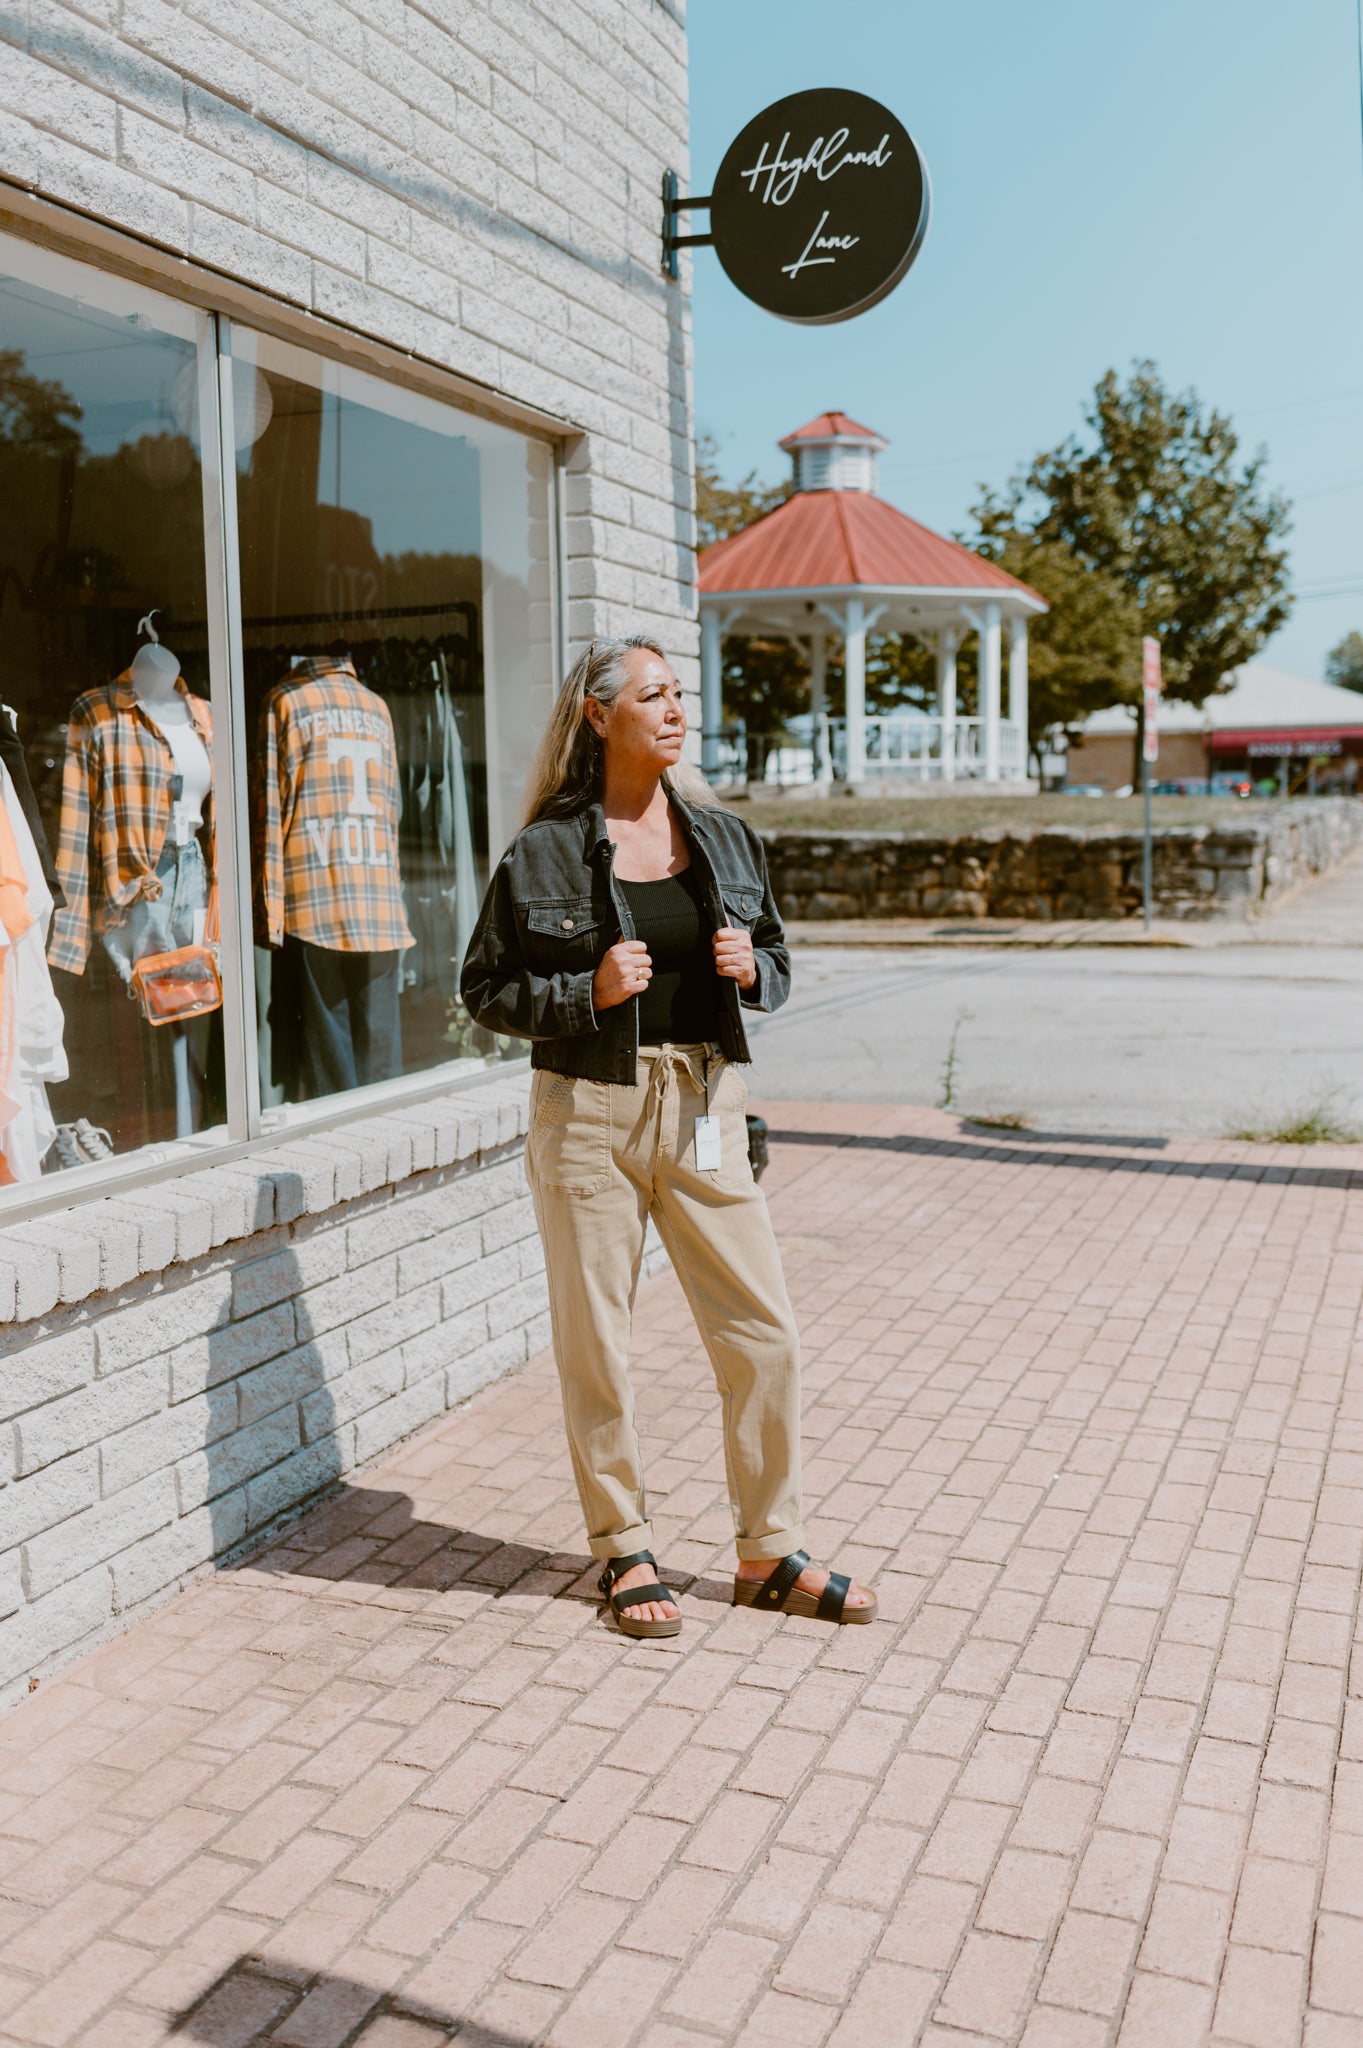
x=364, y=577
x=106, y=838
x=394, y=561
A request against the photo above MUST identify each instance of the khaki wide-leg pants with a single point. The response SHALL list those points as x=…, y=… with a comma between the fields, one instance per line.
x=601, y=1158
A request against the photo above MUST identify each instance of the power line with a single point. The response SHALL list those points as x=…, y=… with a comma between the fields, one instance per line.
x=1327, y=491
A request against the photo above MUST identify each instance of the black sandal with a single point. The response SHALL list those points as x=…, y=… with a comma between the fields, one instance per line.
x=779, y=1594
x=638, y=1596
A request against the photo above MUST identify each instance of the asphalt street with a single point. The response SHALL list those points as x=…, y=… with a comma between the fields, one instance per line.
x=1088, y=1039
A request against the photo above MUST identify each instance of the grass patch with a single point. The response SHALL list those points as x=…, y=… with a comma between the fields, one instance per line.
x=1002, y=1120
x=956, y=816
x=1324, y=1120
x=947, y=1098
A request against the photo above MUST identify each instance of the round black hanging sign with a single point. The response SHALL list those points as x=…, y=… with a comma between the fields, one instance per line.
x=820, y=206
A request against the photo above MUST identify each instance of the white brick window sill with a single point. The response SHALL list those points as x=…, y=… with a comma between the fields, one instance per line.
x=59, y=1259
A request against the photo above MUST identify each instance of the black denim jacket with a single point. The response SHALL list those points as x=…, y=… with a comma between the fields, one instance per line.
x=552, y=911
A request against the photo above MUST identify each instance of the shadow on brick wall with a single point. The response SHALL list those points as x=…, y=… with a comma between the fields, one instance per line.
x=275, y=1438
x=256, y=2000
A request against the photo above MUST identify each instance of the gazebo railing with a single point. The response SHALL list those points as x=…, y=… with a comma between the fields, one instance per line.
x=914, y=749
x=898, y=748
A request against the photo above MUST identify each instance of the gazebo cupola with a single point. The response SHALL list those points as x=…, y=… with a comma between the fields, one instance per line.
x=833, y=453
x=835, y=557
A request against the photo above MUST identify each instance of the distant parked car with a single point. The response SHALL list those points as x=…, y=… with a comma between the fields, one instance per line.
x=1083, y=789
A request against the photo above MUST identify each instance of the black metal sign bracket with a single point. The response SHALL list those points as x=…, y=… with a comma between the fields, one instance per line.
x=673, y=204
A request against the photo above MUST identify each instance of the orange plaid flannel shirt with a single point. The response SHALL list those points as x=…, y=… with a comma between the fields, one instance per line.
x=327, y=815
x=116, y=812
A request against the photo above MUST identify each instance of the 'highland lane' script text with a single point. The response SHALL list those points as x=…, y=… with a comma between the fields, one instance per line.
x=819, y=240
x=824, y=157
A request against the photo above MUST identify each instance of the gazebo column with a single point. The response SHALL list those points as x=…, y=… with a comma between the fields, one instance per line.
x=711, y=689
x=818, y=707
x=991, y=686
x=854, y=662
x=948, y=644
x=1017, y=682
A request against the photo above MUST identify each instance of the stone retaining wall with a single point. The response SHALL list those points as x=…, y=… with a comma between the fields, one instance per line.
x=1065, y=871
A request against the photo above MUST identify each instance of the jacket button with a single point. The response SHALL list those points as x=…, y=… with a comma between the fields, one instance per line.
x=567, y=924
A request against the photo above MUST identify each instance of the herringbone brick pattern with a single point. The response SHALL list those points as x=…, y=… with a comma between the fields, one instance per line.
x=1091, y=1417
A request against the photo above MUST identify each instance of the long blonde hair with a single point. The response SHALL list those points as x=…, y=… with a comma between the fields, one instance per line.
x=567, y=772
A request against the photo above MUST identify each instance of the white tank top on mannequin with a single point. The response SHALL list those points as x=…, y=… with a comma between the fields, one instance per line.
x=171, y=718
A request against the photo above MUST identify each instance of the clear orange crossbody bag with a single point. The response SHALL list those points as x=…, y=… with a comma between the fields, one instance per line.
x=173, y=987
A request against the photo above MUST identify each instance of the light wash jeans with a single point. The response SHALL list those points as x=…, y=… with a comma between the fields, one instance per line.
x=175, y=918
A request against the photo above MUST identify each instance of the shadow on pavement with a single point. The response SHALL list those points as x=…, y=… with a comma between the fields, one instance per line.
x=1096, y=1138
x=369, y=1535
x=1028, y=1147
x=250, y=2004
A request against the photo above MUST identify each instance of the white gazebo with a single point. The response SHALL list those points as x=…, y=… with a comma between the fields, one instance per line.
x=836, y=559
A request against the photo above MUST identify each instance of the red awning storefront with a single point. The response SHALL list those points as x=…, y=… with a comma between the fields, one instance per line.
x=1298, y=742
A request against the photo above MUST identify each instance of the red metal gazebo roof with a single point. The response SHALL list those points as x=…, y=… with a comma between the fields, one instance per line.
x=829, y=426
x=827, y=540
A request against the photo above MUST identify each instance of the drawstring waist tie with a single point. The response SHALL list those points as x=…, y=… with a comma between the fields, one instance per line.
x=668, y=1062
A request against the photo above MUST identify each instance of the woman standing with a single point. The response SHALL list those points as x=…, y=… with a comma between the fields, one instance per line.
x=626, y=928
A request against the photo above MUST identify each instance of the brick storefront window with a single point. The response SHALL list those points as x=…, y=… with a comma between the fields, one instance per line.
x=277, y=639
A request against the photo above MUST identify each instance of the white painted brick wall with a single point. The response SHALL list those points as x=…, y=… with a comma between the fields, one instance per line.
x=169, y=1417
x=477, y=181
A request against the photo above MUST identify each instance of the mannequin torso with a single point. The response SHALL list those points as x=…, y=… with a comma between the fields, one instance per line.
x=155, y=674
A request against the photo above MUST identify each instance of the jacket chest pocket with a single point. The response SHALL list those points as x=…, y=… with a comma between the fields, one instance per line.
x=742, y=907
x=565, y=934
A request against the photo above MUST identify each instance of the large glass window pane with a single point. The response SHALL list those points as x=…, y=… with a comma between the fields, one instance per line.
x=106, y=823
x=395, y=591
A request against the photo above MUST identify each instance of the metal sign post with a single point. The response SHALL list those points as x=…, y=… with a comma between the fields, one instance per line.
x=1150, y=683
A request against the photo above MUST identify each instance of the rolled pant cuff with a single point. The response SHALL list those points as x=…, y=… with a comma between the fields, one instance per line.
x=757, y=1549
x=640, y=1537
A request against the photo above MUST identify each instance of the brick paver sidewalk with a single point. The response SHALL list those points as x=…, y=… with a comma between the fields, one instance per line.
x=1089, y=1414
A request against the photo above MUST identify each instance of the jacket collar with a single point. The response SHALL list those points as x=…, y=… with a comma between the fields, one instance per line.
x=693, y=824
x=316, y=665
x=595, y=834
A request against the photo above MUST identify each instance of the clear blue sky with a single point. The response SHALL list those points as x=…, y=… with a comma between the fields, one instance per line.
x=1181, y=180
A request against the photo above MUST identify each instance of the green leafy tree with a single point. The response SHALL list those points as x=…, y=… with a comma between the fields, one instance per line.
x=765, y=681
x=901, y=675
x=1344, y=664
x=34, y=413
x=1085, y=652
x=722, y=509
x=1159, y=502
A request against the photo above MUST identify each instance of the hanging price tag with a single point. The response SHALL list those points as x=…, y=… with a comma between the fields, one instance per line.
x=707, y=1144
